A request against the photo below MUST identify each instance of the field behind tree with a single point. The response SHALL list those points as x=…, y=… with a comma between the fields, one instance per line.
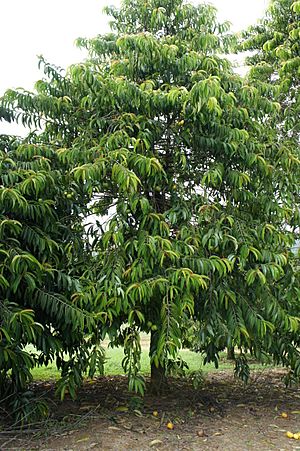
x=114, y=357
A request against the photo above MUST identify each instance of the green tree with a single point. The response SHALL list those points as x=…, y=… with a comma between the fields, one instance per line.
x=275, y=59
x=188, y=185
x=42, y=250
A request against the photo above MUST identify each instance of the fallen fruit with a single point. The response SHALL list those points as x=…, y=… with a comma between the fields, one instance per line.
x=201, y=433
x=289, y=434
x=155, y=413
x=296, y=436
x=170, y=425
x=284, y=415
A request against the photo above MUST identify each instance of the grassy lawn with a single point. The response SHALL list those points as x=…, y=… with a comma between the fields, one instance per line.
x=113, y=365
x=114, y=357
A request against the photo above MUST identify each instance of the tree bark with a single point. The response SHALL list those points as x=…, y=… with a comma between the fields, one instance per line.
x=158, y=374
x=230, y=353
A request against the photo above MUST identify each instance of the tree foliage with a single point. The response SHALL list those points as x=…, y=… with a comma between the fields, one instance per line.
x=275, y=58
x=42, y=246
x=193, y=192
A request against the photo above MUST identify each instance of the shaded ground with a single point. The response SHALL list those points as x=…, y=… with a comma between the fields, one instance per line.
x=221, y=415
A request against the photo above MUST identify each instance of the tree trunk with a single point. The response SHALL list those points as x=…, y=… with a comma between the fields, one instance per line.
x=158, y=374
x=230, y=353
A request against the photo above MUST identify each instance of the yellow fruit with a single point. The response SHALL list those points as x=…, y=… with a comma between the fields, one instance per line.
x=296, y=436
x=155, y=413
x=284, y=415
x=289, y=434
x=170, y=426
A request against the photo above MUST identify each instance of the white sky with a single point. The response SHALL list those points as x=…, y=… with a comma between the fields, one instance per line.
x=50, y=27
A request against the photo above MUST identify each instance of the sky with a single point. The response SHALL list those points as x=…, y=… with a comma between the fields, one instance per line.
x=50, y=27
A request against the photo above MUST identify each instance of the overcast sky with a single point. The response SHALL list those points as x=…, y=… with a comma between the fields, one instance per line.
x=50, y=27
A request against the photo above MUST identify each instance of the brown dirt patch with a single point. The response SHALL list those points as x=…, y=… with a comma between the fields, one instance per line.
x=221, y=415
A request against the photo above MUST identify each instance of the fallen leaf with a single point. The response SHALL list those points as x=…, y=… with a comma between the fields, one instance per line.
x=122, y=409
x=84, y=439
x=155, y=442
x=114, y=428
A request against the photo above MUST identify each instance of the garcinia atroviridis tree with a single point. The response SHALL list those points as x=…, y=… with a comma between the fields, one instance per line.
x=188, y=187
x=42, y=252
x=275, y=60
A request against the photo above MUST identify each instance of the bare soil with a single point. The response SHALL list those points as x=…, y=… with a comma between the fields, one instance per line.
x=223, y=414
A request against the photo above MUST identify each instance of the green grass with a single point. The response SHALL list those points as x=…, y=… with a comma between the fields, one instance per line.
x=113, y=365
x=114, y=357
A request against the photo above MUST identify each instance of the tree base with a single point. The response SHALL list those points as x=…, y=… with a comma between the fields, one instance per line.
x=158, y=382
x=230, y=353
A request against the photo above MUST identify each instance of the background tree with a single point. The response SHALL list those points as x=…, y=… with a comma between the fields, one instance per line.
x=275, y=59
x=275, y=56
x=187, y=177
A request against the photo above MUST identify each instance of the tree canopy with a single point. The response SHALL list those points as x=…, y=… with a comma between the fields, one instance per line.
x=275, y=58
x=194, y=195
x=42, y=248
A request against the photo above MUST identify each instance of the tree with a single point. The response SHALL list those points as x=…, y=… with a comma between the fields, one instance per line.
x=42, y=249
x=275, y=59
x=184, y=157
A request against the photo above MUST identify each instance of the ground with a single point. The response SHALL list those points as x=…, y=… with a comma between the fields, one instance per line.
x=222, y=414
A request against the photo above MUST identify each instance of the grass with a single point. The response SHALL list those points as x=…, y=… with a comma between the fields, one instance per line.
x=114, y=357
x=113, y=364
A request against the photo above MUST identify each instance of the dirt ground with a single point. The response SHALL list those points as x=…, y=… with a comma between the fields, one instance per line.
x=222, y=414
